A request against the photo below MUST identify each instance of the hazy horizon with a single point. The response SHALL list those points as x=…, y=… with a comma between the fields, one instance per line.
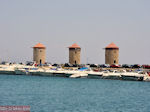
x=91, y=24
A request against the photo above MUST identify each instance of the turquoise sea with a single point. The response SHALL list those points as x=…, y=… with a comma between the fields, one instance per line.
x=53, y=94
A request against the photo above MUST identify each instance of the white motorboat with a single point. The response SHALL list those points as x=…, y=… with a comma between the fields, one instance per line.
x=79, y=75
x=56, y=72
x=68, y=73
x=115, y=74
x=95, y=75
x=48, y=72
x=59, y=73
x=7, y=70
x=36, y=71
x=147, y=77
x=133, y=76
x=23, y=70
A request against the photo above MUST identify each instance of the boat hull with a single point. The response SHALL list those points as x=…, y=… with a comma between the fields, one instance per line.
x=94, y=76
x=111, y=77
x=132, y=78
x=19, y=72
x=7, y=72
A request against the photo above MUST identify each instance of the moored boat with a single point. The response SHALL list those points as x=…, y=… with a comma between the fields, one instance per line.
x=95, y=75
x=79, y=75
x=36, y=71
x=7, y=70
x=112, y=75
x=133, y=76
x=21, y=71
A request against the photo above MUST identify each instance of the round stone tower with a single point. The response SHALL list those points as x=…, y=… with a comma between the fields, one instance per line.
x=112, y=54
x=74, y=54
x=39, y=53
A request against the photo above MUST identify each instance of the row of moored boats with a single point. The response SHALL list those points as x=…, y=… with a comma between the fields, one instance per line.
x=80, y=73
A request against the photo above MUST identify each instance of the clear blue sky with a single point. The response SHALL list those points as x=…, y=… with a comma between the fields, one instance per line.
x=92, y=24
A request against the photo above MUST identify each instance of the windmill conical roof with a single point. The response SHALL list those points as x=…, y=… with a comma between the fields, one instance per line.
x=74, y=46
x=39, y=45
x=112, y=45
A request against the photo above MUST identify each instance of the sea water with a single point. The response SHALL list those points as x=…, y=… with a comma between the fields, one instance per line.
x=53, y=94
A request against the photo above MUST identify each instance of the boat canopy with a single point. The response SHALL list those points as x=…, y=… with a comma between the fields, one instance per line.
x=83, y=69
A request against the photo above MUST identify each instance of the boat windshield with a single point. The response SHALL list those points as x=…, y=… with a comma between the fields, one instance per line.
x=117, y=72
x=141, y=72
